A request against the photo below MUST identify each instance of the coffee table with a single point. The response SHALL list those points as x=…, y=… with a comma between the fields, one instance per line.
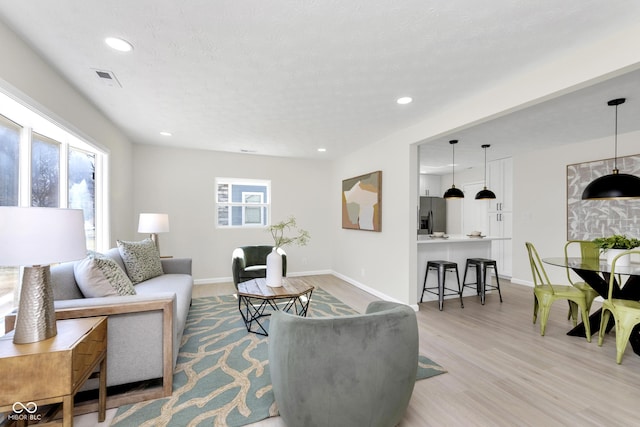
x=254, y=297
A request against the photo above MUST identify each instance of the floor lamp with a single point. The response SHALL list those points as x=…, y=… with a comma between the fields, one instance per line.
x=36, y=238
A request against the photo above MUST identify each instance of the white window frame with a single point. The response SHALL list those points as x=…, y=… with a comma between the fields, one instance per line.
x=251, y=206
x=264, y=204
x=33, y=118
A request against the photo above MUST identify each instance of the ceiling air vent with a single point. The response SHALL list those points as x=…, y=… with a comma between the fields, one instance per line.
x=107, y=78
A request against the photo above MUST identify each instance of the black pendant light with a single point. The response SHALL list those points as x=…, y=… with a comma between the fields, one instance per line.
x=484, y=193
x=453, y=192
x=616, y=185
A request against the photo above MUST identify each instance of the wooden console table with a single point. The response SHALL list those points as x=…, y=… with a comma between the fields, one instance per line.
x=53, y=370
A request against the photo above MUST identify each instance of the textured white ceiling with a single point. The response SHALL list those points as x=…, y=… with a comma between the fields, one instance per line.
x=285, y=77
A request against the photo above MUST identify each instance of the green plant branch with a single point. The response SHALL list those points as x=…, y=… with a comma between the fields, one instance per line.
x=278, y=230
x=617, y=241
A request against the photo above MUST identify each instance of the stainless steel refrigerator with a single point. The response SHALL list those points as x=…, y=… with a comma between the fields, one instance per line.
x=433, y=215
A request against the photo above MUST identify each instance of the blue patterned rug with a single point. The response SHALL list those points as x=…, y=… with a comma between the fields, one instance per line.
x=222, y=375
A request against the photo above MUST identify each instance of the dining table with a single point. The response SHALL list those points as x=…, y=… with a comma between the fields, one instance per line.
x=597, y=273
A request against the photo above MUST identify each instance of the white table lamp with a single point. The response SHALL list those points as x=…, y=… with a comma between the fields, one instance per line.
x=36, y=238
x=153, y=223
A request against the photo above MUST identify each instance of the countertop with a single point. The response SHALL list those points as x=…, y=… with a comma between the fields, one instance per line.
x=457, y=238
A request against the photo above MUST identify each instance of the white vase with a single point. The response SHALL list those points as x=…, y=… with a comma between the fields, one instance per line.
x=274, y=269
x=622, y=261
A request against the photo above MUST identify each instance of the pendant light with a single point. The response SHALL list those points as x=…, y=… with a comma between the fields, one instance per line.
x=484, y=193
x=615, y=185
x=453, y=192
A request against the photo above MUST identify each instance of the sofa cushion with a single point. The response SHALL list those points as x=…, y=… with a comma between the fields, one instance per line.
x=141, y=259
x=98, y=276
x=179, y=284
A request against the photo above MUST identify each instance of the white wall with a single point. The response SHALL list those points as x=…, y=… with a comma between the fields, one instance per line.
x=24, y=74
x=540, y=198
x=380, y=262
x=181, y=182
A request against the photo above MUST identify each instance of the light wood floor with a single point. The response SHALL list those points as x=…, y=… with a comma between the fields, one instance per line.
x=501, y=372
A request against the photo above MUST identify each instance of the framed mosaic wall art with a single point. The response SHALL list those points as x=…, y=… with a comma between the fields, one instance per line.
x=588, y=219
x=362, y=202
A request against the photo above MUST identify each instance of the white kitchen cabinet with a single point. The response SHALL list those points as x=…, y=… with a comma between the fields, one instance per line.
x=430, y=185
x=500, y=181
x=500, y=225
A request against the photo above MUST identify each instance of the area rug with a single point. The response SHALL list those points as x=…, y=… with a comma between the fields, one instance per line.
x=222, y=375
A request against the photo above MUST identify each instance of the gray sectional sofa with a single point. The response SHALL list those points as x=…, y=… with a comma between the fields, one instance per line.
x=144, y=330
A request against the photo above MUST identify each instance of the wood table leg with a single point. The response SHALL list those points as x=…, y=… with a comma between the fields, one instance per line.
x=102, y=390
x=67, y=411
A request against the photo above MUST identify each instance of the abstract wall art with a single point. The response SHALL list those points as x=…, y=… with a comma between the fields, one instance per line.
x=588, y=219
x=362, y=202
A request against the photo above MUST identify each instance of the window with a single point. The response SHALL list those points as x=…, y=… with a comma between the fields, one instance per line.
x=9, y=194
x=43, y=163
x=45, y=172
x=9, y=158
x=242, y=202
x=82, y=190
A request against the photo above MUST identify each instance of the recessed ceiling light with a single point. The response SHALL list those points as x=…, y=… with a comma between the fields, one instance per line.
x=322, y=150
x=119, y=44
x=404, y=100
x=164, y=133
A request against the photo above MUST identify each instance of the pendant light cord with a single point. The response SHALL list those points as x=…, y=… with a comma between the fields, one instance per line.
x=615, y=152
x=453, y=166
x=485, y=167
x=616, y=102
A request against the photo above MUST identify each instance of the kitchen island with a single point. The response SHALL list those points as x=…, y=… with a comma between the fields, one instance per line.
x=454, y=248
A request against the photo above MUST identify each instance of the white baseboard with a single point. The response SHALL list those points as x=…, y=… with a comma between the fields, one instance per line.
x=210, y=281
x=229, y=279
x=347, y=279
x=522, y=282
x=371, y=291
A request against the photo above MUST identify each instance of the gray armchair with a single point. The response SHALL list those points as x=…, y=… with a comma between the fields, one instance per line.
x=344, y=371
x=250, y=262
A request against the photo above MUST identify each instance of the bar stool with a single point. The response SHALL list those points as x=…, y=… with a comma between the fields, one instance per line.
x=481, y=265
x=443, y=267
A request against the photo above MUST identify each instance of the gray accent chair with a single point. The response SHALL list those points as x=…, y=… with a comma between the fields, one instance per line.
x=250, y=262
x=344, y=371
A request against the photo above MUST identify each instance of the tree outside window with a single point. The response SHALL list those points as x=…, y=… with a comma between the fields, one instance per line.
x=45, y=172
x=9, y=158
x=82, y=190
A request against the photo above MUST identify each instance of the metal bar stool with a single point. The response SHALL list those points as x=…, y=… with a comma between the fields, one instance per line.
x=442, y=267
x=481, y=265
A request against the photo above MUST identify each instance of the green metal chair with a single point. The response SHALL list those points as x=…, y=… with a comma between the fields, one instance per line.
x=590, y=253
x=546, y=293
x=626, y=313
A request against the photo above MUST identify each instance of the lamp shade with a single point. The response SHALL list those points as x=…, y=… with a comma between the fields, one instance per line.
x=153, y=223
x=613, y=186
x=485, y=193
x=453, y=193
x=40, y=236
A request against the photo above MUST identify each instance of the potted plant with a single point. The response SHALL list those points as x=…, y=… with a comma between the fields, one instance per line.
x=612, y=246
x=299, y=237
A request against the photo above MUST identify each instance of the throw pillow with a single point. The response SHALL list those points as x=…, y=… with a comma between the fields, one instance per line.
x=141, y=259
x=98, y=276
